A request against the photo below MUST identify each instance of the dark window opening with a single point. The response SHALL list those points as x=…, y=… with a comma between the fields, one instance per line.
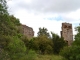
x=65, y=26
x=67, y=42
x=69, y=27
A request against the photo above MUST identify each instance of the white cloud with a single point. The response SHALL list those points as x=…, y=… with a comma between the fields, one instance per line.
x=34, y=13
x=49, y=5
x=37, y=21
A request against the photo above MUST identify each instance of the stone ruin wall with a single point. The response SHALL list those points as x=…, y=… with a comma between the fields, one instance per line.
x=67, y=33
x=27, y=31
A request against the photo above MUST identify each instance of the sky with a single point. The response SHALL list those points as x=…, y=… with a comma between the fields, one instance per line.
x=46, y=13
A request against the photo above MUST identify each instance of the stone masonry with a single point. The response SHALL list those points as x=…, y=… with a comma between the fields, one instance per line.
x=67, y=33
x=27, y=31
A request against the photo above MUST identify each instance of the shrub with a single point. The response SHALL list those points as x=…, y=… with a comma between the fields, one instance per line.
x=71, y=53
x=4, y=55
x=31, y=55
x=16, y=48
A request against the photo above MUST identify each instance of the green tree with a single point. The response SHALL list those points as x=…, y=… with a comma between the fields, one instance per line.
x=43, y=31
x=31, y=55
x=16, y=48
x=42, y=45
x=4, y=55
x=77, y=36
x=3, y=7
x=4, y=41
x=73, y=52
x=10, y=35
x=58, y=43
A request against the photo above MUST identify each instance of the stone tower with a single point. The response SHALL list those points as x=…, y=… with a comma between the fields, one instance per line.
x=67, y=33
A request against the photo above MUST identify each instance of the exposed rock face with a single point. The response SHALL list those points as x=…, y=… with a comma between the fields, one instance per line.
x=27, y=31
x=67, y=33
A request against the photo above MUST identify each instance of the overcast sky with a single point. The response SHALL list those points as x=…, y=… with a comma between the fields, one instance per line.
x=46, y=13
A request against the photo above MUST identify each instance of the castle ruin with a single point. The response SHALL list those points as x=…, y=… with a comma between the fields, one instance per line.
x=67, y=33
x=27, y=31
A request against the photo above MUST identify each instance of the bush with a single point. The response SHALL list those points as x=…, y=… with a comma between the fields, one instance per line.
x=4, y=55
x=71, y=53
x=16, y=48
x=31, y=55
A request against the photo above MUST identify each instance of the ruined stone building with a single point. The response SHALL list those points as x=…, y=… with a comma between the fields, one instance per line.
x=27, y=31
x=67, y=33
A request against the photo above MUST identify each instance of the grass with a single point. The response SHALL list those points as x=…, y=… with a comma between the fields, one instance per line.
x=49, y=57
x=41, y=57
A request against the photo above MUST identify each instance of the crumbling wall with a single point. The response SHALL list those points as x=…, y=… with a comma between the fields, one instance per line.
x=67, y=33
x=27, y=31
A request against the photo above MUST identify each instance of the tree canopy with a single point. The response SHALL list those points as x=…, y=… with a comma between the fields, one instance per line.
x=43, y=31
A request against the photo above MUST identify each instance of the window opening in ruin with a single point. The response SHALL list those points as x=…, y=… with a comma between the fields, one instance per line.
x=67, y=42
x=65, y=26
x=69, y=27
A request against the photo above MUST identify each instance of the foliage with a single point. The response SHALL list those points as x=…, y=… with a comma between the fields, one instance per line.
x=8, y=26
x=58, y=43
x=49, y=57
x=16, y=48
x=31, y=55
x=4, y=41
x=43, y=31
x=77, y=37
x=10, y=35
x=71, y=53
x=41, y=44
x=15, y=20
x=3, y=7
x=4, y=55
x=25, y=40
x=45, y=44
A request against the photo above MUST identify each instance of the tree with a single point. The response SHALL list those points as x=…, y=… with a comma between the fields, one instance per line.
x=45, y=44
x=73, y=52
x=43, y=31
x=77, y=36
x=4, y=55
x=42, y=45
x=3, y=7
x=58, y=43
x=4, y=41
x=16, y=48
x=10, y=36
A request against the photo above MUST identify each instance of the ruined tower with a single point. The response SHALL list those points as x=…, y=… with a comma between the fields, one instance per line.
x=67, y=33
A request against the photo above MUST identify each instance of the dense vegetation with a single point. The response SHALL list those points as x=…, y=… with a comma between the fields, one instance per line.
x=73, y=52
x=15, y=46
